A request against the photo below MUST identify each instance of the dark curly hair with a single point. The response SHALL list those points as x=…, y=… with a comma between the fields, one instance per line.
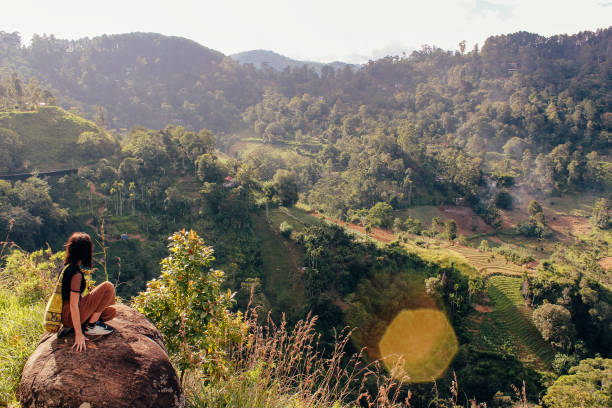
x=79, y=248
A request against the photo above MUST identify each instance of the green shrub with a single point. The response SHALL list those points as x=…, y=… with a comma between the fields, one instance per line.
x=286, y=229
x=503, y=200
x=587, y=385
x=188, y=306
x=31, y=276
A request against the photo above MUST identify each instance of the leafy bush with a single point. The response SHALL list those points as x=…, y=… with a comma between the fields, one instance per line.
x=413, y=225
x=188, y=306
x=587, y=385
x=601, y=214
x=503, y=200
x=286, y=229
x=30, y=276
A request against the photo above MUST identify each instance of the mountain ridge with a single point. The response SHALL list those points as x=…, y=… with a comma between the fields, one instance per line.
x=260, y=58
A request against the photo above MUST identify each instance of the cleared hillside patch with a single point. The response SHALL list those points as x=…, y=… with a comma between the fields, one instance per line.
x=281, y=265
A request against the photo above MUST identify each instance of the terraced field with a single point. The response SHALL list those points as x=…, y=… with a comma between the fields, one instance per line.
x=507, y=324
x=487, y=265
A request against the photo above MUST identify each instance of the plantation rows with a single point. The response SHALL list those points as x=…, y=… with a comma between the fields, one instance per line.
x=507, y=327
x=511, y=313
x=486, y=265
x=487, y=334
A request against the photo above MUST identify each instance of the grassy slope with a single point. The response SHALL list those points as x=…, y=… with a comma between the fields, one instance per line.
x=48, y=135
x=281, y=262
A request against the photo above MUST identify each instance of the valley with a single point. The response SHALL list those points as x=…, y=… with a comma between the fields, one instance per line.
x=449, y=215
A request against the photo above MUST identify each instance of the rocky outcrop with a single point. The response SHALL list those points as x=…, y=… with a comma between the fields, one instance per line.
x=128, y=368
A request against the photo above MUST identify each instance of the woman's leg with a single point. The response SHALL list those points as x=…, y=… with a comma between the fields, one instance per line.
x=93, y=306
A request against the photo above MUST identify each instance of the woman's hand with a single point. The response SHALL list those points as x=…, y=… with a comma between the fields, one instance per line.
x=79, y=342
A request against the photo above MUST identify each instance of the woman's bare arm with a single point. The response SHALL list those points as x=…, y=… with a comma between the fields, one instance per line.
x=75, y=314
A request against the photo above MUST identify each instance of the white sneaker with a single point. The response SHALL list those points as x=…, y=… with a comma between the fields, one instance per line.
x=98, y=329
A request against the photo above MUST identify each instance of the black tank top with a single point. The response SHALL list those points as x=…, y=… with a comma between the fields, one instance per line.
x=70, y=271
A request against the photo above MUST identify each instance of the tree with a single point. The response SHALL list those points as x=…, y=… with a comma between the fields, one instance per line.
x=285, y=229
x=602, y=211
x=587, y=385
x=206, y=168
x=476, y=286
x=451, y=229
x=10, y=150
x=433, y=286
x=555, y=324
x=99, y=116
x=462, y=47
x=534, y=208
x=96, y=145
x=503, y=200
x=484, y=246
x=286, y=186
x=190, y=308
x=381, y=215
x=514, y=148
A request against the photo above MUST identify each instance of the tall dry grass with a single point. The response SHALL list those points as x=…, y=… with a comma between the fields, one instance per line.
x=280, y=367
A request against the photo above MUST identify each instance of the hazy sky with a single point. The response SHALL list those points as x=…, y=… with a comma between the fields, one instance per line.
x=322, y=30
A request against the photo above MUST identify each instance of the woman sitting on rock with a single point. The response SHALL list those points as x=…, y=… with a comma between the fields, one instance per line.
x=85, y=314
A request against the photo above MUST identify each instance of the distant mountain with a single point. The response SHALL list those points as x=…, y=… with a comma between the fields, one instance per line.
x=143, y=79
x=260, y=58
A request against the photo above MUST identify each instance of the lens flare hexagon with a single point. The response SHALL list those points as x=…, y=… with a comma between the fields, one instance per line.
x=420, y=344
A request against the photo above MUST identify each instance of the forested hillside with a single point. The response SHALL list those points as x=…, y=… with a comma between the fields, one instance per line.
x=467, y=189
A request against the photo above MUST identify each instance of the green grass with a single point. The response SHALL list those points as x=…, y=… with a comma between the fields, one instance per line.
x=281, y=260
x=48, y=135
x=423, y=213
x=297, y=217
x=189, y=186
x=124, y=224
x=571, y=204
x=20, y=331
x=444, y=257
x=290, y=152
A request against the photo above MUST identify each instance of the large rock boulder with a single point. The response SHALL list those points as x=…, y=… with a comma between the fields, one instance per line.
x=127, y=368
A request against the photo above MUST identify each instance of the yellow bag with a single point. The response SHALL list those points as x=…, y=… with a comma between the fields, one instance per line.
x=53, y=312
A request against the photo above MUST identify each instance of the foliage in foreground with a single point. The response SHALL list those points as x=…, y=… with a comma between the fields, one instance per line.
x=281, y=367
x=587, y=385
x=25, y=283
x=19, y=334
x=188, y=306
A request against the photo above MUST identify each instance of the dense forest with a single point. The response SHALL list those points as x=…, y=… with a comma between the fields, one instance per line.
x=472, y=183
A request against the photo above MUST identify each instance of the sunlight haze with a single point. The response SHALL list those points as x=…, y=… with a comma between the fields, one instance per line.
x=351, y=31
